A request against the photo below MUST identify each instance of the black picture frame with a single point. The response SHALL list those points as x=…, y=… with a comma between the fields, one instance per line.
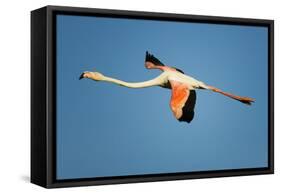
x=43, y=96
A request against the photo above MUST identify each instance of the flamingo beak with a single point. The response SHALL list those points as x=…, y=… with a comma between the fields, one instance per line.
x=81, y=76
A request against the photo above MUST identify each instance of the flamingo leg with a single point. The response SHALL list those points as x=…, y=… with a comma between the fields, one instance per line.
x=245, y=100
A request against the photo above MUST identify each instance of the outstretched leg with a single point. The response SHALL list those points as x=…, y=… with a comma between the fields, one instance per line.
x=245, y=100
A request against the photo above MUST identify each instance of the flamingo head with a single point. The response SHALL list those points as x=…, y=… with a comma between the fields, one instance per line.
x=92, y=75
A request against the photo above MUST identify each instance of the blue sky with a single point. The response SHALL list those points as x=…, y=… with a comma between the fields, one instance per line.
x=108, y=130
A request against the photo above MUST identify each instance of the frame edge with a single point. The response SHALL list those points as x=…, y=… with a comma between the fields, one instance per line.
x=38, y=97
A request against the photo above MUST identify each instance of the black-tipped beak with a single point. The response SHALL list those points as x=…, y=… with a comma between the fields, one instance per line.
x=81, y=76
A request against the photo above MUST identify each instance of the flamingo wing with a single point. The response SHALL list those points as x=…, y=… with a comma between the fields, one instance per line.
x=151, y=58
x=182, y=101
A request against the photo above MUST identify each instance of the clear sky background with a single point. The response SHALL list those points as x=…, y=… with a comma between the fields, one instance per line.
x=108, y=130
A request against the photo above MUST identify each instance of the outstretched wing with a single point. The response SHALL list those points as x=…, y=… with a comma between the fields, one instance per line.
x=182, y=101
x=156, y=62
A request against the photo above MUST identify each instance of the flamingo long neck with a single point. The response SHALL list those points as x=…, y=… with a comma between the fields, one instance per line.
x=149, y=83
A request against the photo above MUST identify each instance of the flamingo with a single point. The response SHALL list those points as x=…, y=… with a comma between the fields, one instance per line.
x=183, y=97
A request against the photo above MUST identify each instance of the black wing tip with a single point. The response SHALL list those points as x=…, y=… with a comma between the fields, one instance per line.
x=179, y=70
x=188, y=108
x=187, y=117
x=150, y=58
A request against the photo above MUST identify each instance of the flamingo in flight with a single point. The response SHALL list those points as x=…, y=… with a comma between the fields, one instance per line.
x=183, y=87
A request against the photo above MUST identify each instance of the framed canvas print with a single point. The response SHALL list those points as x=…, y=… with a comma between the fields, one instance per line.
x=125, y=96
